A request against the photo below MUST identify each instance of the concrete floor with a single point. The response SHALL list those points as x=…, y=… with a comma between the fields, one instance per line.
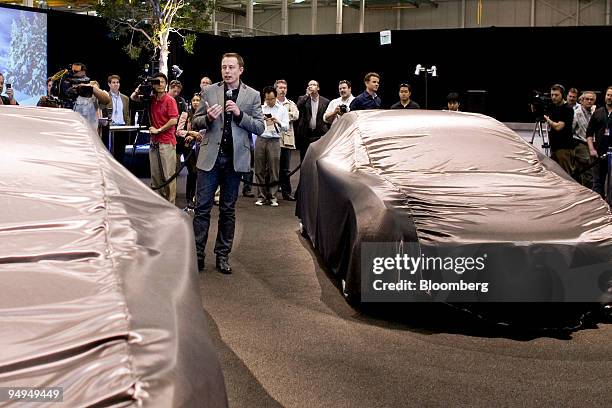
x=287, y=338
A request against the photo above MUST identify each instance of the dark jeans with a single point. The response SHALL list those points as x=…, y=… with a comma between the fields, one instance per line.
x=285, y=169
x=192, y=175
x=248, y=186
x=600, y=171
x=223, y=175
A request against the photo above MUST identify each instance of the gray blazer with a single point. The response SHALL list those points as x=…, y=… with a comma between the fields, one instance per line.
x=249, y=103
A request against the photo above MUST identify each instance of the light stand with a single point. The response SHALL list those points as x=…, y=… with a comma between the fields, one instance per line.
x=434, y=73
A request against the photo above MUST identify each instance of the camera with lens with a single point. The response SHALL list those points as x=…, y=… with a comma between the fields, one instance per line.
x=541, y=104
x=343, y=109
x=68, y=86
x=146, y=90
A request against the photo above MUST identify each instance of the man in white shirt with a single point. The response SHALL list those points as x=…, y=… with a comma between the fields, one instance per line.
x=120, y=102
x=119, y=110
x=287, y=139
x=582, y=159
x=339, y=106
x=267, y=148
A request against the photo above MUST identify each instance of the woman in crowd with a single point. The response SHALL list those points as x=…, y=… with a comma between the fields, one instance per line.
x=184, y=135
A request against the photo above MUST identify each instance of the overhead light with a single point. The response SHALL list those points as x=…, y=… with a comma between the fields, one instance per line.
x=298, y=1
x=417, y=70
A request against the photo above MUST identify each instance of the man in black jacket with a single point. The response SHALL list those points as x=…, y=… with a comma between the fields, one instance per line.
x=311, y=126
x=600, y=128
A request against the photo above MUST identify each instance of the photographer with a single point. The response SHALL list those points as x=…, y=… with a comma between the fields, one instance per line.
x=85, y=97
x=560, y=118
x=9, y=99
x=267, y=148
x=339, y=106
x=163, y=115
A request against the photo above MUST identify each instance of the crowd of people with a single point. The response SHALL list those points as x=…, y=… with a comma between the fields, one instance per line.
x=230, y=132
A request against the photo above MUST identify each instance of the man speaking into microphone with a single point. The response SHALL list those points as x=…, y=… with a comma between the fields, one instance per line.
x=229, y=111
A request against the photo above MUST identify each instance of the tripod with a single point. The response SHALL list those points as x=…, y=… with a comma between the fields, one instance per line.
x=542, y=131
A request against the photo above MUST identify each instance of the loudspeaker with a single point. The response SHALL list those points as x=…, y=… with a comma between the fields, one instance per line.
x=477, y=101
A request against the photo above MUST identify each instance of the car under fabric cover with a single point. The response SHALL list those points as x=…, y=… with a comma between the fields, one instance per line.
x=452, y=183
x=99, y=290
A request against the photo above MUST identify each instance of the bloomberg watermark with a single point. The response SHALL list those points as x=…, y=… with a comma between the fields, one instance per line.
x=410, y=272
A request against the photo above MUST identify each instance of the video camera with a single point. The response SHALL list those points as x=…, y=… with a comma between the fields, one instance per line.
x=541, y=104
x=68, y=85
x=145, y=90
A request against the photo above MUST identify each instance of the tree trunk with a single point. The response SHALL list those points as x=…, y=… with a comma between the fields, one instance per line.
x=164, y=51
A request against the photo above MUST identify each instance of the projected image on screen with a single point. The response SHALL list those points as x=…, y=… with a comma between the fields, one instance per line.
x=23, y=53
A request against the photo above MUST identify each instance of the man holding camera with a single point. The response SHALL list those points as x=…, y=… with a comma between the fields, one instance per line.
x=230, y=112
x=339, y=106
x=267, y=148
x=89, y=95
x=560, y=119
x=9, y=99
x=163, y=114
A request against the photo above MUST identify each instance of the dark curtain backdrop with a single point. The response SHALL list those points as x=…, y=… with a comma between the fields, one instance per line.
x=506, y=62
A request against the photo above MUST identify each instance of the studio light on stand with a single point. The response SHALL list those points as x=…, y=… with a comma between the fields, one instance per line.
x=177, y=71
x=433, y=71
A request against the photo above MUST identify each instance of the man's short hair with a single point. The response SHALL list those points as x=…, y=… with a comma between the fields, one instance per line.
x=111, y=77
x=452, y=97
x=279, y=81
x=160, y=75
x=573, y=90
x=558, y=87
x=234, y=55
x=370, y=75
x=174, y=83
x=345, y=81
x=406, y=85
x=80, y=65
x=268, y=89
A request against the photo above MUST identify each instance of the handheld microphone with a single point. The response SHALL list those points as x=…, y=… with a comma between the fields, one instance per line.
x=229, y=94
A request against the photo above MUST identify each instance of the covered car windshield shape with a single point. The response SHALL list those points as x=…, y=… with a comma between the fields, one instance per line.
x=99, y=291
x=451, y=184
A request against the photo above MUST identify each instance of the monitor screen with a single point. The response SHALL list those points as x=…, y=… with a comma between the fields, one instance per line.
x=23, y=53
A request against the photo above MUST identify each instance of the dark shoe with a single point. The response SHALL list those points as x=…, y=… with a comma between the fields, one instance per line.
x=288, y=197
x=200, y=264
x=248, y=194
x=223, y=266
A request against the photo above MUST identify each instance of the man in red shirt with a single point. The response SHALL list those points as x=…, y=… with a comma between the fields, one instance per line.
x=164, y=114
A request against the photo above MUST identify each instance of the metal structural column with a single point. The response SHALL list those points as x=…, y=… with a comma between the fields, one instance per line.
x=608, y=6
x=313, y=16
x=462, y=13
x=339, y=16
x=398, y=17
x=362, y=16
x=249, y=15
x=284, y=17
x=532, y=14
